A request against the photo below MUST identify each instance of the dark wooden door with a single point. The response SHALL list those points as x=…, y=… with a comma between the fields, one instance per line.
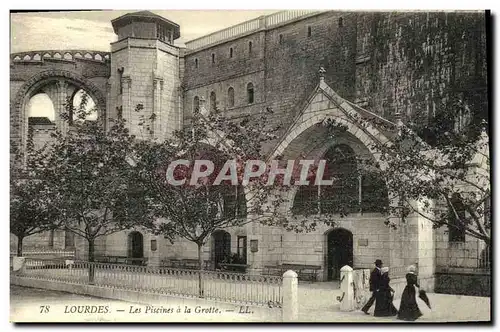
x=339, y=252
x=222, y=247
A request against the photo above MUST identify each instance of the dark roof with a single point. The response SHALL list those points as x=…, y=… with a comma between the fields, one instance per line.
x=144, y=15
x=39, y=120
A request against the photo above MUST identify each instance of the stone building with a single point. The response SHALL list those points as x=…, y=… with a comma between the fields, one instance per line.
x=376, y=64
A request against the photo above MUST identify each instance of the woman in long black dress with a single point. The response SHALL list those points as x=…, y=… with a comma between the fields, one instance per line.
x=408, y=310
x=383, y=304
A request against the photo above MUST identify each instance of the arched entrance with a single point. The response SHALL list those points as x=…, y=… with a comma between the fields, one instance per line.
x=221, y=247
x=135, y=246
x=339, y=252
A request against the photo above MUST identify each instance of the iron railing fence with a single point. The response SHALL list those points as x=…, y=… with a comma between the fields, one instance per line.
x=45, y=251
x=220, y=286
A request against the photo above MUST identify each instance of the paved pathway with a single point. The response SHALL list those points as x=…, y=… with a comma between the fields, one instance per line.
x=316, y=306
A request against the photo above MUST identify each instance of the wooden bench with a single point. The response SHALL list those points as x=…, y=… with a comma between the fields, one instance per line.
x=234, y=267
x=304, y=272
x=190, y=264
x=143, y=261
x=121, y=260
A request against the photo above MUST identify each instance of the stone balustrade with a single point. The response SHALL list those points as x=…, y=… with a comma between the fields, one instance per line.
x=68, y=55
x=263, y=22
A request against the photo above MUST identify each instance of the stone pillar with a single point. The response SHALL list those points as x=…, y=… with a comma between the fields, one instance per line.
x=60, y=108
x=255, y=241
x=157, y=119
x=347, y=302
x=106, y=115
x=128, y=109
x=154, y=255
x=18, y=263
x=290, y=297
x=203, y=107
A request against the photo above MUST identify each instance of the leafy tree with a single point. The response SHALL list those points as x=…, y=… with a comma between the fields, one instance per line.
x=87, y=172
x=440, y=169
x=194, y=210
x=31, y=207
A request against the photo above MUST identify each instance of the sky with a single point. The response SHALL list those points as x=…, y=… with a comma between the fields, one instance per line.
x=92, y=30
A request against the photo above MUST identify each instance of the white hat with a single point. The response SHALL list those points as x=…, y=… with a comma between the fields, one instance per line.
x=411, y=268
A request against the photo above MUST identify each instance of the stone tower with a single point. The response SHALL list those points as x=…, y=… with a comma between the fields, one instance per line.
x=146, y=70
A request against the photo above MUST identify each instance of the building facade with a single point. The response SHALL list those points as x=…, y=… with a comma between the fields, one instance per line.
x=376, y=64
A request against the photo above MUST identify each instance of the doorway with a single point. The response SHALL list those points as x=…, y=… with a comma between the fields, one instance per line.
x=135, y=246
x=339, y=252
x=221, y=247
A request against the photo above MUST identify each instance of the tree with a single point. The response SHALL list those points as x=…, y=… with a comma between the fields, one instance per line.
x=440, y=169
x=197, y=208
x=88, y=174
x=31, y=208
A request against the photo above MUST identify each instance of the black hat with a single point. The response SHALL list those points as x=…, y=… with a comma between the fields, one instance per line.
x=378, y=262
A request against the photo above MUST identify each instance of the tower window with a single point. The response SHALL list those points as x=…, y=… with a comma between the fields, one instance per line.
x=250, y=93
x=230, y=97
x=196, y=63
x=213, y=101
x=120, y=80
x=309, y=31
x=341, y=22
x=213, y=58
x=196, y=103
x=162, y=33
x=250, y=47
x=281, y=38
x=231, y=52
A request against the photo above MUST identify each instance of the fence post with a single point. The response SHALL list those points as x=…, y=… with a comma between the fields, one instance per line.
x=18, y=263
x=347, y=302
x=290, y=296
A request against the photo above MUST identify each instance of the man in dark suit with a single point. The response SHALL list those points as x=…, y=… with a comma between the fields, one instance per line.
x=374, y=285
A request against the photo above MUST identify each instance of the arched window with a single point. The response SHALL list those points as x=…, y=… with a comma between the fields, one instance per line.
x=230, y=97
x=250, y=93
x=341, y=22
x=456, y=219
x=342, y=196
x=231, y=52
x=196, y=104
x=213, y=58
x=309, y=31
x=213, y=101
x=41, y=106
x=250, y=47
x=84, y=104
x=196, y=63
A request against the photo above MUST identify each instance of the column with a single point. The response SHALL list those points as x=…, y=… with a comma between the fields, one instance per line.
x=107, y=112
x=59, y=100
x=255, y=248
x=157, y=119
x=128, y=109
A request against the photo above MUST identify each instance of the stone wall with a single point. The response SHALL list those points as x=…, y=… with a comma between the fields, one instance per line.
x=468, y=254
x=413, y=62
x=456, y=282
x=42, y=135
